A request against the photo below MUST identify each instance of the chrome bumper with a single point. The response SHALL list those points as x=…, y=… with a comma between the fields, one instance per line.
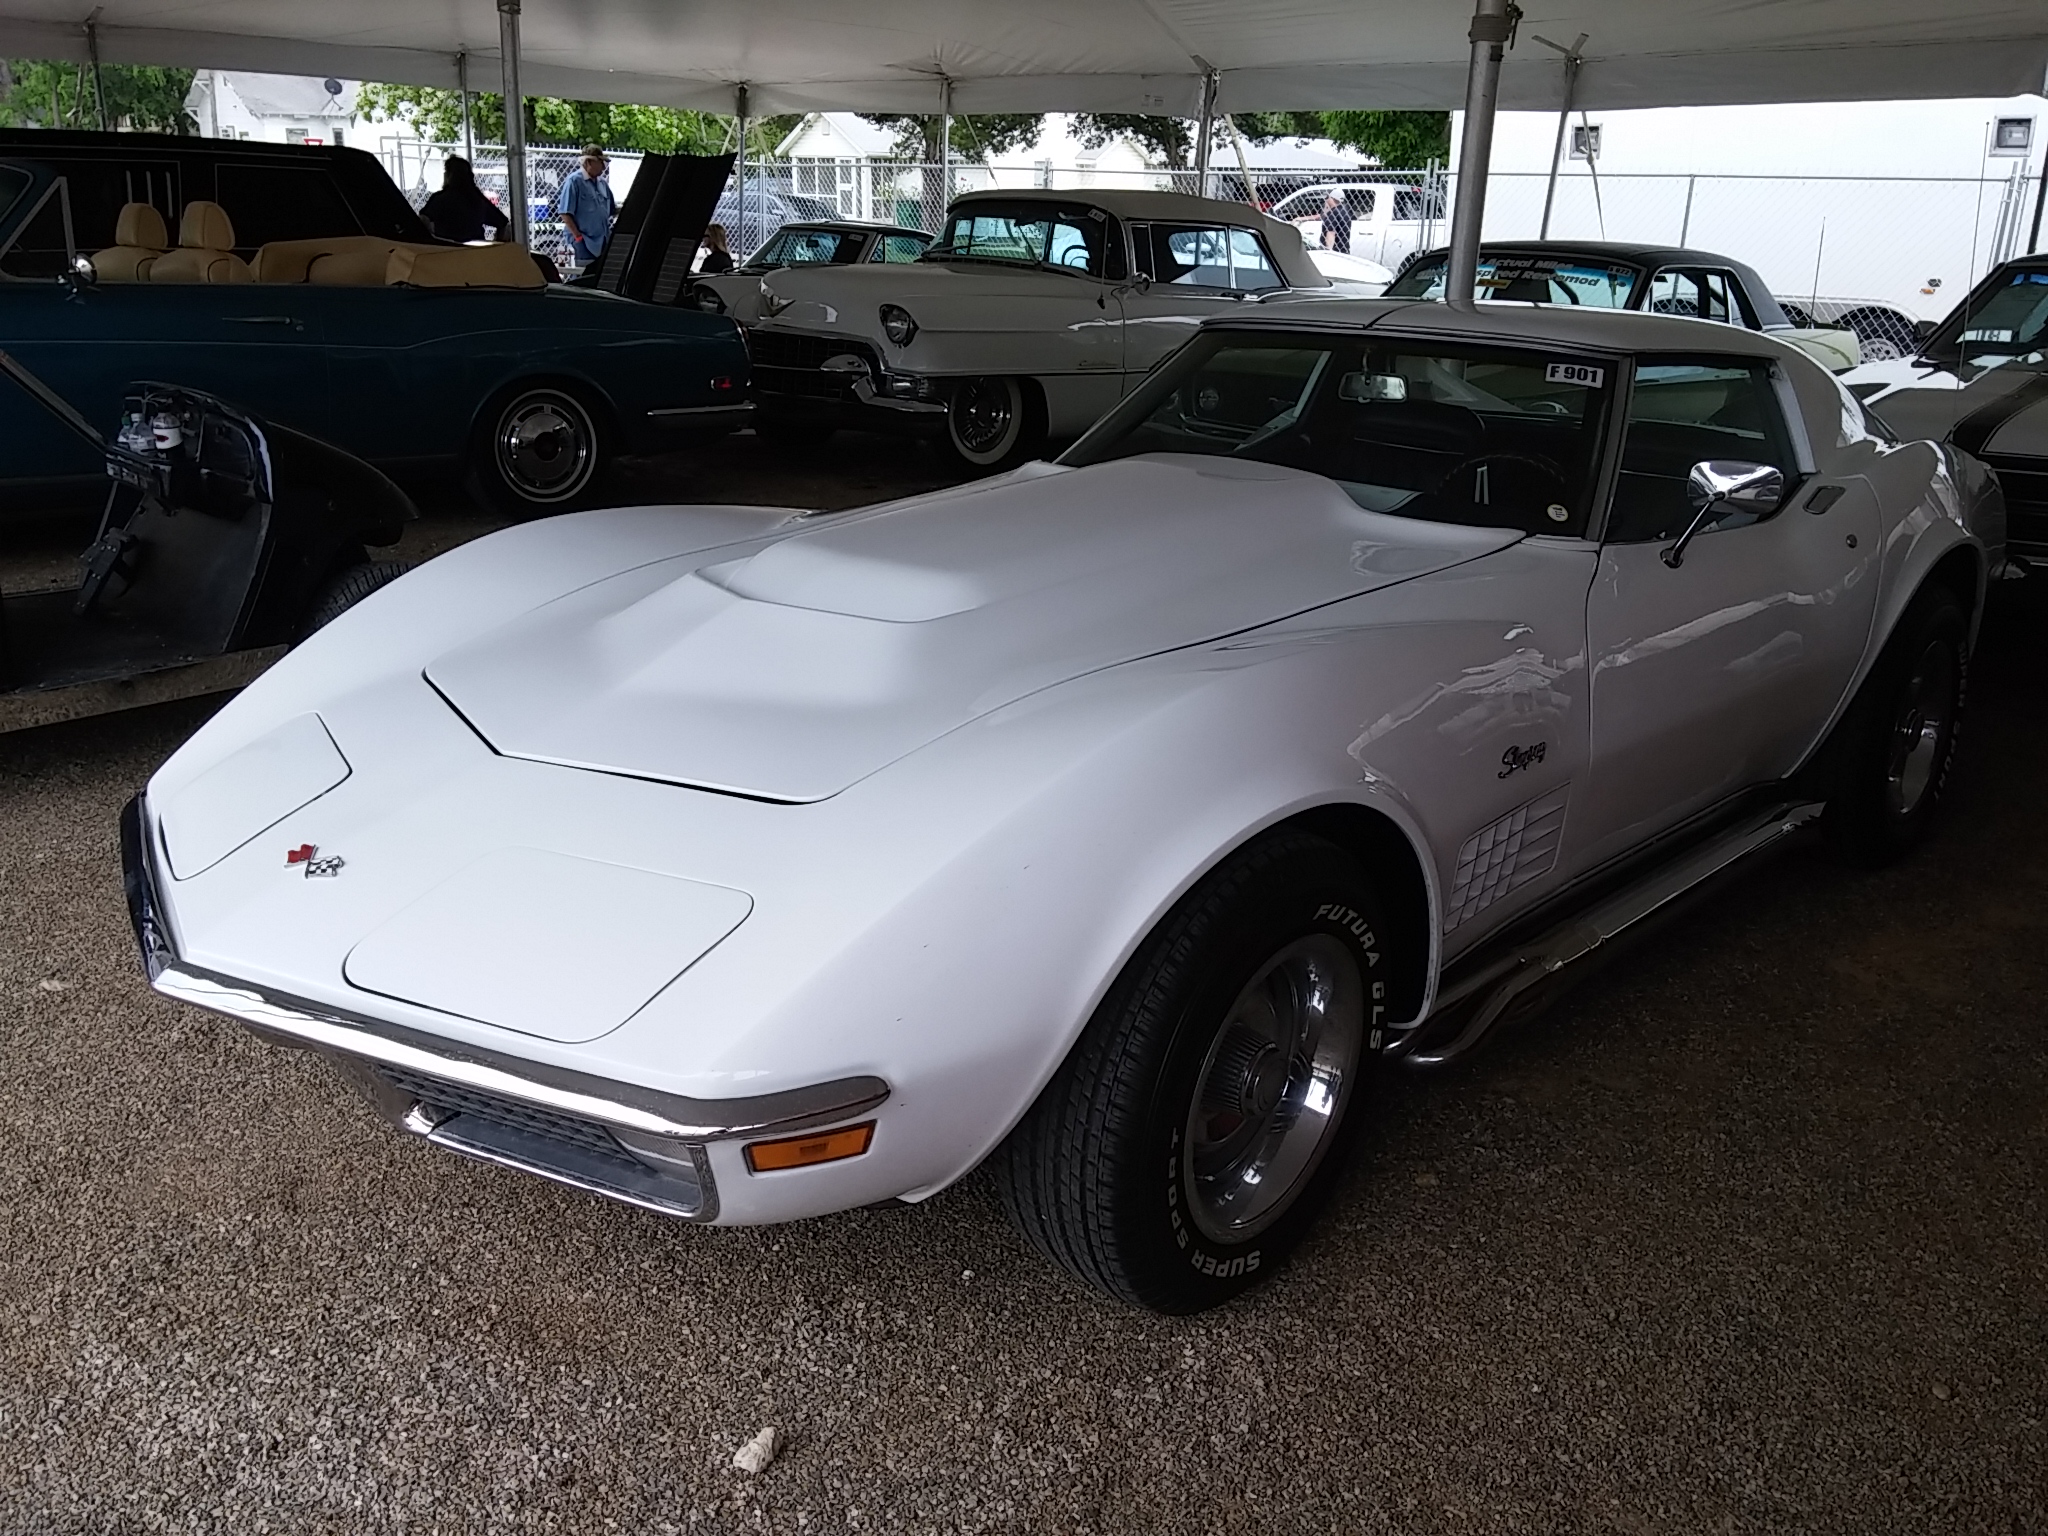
x=635, y=1144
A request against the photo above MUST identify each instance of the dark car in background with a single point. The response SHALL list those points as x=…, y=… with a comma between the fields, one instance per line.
x=1604, y=274
x=271, y=192
x=346, y=321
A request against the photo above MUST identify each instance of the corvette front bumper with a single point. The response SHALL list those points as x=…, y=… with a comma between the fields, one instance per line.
x=630, y=1143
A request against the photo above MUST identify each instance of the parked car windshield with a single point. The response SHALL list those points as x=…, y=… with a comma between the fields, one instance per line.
x=1028, y=234
x=1486, y=436
x=2007, y=318
x=1529, y=279
x=807, y=248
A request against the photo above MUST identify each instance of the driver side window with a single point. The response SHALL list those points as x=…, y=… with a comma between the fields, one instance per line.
x=1686, y=411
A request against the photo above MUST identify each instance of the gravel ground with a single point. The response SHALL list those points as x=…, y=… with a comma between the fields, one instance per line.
x=1746, y=1235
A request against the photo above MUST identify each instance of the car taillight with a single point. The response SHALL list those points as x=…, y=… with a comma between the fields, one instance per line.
x=722, y=382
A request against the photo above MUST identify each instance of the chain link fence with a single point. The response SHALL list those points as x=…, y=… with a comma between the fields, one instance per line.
x=1915, y=243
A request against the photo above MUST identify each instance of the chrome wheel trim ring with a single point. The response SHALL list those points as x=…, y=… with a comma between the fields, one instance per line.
x=1922, y=721
x=1273, y=1087
x=545, y=446
x=985, y=418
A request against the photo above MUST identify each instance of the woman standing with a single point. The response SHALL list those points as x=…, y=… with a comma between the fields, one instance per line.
x=460, y=211
x=717, y=255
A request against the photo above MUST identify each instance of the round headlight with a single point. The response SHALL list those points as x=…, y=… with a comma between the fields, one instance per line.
x=708, y=300
x=897, y=324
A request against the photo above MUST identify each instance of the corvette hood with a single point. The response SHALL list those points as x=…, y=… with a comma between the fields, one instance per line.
x=793, y=672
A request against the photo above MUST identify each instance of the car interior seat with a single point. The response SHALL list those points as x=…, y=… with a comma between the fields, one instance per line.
x=139, y=239
x=464, y=266
x=205, y=253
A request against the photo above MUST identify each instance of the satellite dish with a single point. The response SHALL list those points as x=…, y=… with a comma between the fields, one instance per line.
x=333, y=87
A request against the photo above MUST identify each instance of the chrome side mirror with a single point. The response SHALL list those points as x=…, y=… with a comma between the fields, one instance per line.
x=80, y=275
x=1726, y=485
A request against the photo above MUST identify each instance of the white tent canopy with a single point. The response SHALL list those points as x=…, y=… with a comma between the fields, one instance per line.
x=1082, y=55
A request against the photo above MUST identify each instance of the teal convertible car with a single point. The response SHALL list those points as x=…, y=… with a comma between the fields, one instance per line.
x=403, y=351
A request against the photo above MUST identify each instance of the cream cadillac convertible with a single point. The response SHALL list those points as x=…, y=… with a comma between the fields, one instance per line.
x=1031, y=316
x=1111, y=821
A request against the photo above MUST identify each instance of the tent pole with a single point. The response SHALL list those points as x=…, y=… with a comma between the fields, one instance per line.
x=945, y=144
x=1493, y=28
x=92, y=47
x=1573, y=57
x=1203, y=129
x=2040, y=197
x=739, y=109
x=515, y=121
x=462, y=89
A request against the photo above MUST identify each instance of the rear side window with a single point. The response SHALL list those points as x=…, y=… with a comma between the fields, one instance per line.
x=282, y=202
x=1685, y=411
x=898, y=248
x=13, y=183
x=1204, y=256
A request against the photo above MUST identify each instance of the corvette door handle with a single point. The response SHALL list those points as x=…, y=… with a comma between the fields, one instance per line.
x=265, y=320
x=1823, y=498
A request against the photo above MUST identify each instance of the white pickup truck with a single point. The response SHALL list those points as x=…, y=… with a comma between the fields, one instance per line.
x=1387, y=219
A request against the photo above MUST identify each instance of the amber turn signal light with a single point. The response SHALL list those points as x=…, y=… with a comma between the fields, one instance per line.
x=803, y=1151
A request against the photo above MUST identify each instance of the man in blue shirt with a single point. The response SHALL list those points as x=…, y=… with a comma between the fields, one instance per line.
x=587, y=208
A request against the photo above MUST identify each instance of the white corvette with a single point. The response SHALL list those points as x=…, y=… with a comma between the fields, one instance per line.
x=1114, y=819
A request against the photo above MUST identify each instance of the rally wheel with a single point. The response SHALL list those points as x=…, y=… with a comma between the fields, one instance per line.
x=1191, y=1135
x=1895, y=746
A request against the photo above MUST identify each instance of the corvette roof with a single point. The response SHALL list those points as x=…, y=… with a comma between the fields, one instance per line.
x=1084, y=55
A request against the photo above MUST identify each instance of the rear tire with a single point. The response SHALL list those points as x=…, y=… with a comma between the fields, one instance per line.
x=347, y=588
x=1238, y=1041
x=994, y=424
x=1895, y=746
x=539, y=449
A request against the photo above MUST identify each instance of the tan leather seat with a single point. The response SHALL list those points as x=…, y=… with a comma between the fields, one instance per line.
x=205, y=252
x=139, y=238
x=338, y=260
x=464, y=266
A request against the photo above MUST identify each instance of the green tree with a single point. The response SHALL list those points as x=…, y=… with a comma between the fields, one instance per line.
x=1171, y=140
x=47, y=93
x=1403, y=140
x=436, y=114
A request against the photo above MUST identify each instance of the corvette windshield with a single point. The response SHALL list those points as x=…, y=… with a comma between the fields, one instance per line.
x=1529, y=279
x=1482, y=435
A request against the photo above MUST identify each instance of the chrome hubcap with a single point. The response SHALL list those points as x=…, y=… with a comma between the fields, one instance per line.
x=545, y=447
x=1917, y=732
x=982, y=413
x=1272, y=1088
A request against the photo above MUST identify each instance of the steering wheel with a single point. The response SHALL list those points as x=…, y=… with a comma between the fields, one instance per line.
x=1077, y=257
x=1530, y=482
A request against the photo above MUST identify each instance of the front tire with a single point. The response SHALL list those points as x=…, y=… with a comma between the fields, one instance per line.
x=1197, y=1126
x=347, y=587
x=540, y=448
x=1897, y=741
x=995, y=423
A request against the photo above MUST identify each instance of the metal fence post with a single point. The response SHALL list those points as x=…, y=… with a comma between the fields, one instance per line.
x=1685, y=224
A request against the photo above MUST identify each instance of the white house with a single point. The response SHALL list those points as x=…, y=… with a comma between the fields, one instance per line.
x=1906, y=201
x=843, y=158
x=287, y=109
